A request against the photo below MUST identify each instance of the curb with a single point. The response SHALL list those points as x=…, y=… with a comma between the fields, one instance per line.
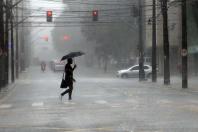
x=5, y=90
x=173, y=86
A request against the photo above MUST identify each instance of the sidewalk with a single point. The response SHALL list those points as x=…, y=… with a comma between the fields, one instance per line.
x=5, y=90
x=176, y=84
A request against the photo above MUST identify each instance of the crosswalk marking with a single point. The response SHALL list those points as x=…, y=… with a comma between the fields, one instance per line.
x=101, y=102
x=69, y=103
x=4, y=106
x=41, y=104
x=116, y=105
x=38, y=104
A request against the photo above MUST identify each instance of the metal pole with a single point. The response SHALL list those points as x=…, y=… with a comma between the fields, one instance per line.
x=12, y=45
x=1, y=42
x=184, y=47
x=22, y=55
x=166, y=43
x=6, y=45
x=154, y=72
x=17, y=45
x=141, y=45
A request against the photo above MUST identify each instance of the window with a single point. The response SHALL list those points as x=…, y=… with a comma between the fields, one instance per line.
x=146, y=67
x=135, y=68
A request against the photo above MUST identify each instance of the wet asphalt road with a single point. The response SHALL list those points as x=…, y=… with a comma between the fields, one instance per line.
x=100, y=104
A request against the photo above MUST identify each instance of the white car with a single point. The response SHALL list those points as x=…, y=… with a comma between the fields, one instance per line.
x=57, y=65
x=134, y=71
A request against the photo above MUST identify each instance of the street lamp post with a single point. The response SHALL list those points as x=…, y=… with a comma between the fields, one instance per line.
x=154, y=72
x=141, y=45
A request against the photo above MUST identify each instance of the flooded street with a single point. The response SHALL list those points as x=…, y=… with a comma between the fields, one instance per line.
x=100, y=104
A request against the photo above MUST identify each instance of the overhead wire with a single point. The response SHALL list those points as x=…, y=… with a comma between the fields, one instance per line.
x=39, y=11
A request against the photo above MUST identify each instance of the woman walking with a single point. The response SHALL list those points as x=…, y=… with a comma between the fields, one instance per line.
x=69, y=78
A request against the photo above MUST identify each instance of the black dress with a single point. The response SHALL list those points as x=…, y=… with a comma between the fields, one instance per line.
x=69, y=74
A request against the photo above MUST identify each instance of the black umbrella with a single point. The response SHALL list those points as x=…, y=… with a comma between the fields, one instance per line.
x=72, y=55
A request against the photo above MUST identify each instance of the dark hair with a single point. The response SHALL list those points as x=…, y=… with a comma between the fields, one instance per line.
x=69, y=60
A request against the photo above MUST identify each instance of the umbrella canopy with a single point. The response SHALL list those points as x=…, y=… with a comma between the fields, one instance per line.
x=72, y=55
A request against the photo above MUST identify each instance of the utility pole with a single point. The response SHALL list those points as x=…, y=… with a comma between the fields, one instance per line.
x=166, y=43
x=12, y=45
x=184, y=47
x=1, y=42
x=22, y=55
x=17, y=44
x=154, y=72
x=141, y=44
x=6, y=79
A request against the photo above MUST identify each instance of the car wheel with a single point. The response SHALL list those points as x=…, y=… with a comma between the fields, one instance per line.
x=124, y=76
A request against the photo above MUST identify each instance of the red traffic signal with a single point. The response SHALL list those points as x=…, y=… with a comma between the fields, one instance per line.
x=49, y=16
x=49, y=13
x=66, y=38
x=45, y=37
x=95, y=15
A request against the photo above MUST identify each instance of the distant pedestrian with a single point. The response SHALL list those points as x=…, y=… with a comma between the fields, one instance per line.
x=43, y=66
x=69, y=78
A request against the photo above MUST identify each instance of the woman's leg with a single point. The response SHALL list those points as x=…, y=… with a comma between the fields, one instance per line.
x=65, y=92
x=70, y=91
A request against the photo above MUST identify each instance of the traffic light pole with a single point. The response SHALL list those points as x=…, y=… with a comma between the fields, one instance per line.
x=141, y=45
x=184, y=47
x=166, y=43
x=154, y=72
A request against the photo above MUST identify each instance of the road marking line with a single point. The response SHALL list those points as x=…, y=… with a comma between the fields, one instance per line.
x=69, y=103
x=116, y=105
x=101, y=102
x=164, y=101
x=78, y=129
x=38, y=104
x=58, y=129
x=4, y=106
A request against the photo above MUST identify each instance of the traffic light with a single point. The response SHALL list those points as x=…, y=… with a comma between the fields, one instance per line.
x=66, y=38
x=45, y=37
x=49, y=16
x=95, y=15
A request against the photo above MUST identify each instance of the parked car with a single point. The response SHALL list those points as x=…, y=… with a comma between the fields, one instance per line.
x=57, y=65
x=134, y=72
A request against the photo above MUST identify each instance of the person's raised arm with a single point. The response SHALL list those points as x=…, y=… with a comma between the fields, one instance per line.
x=74, y=66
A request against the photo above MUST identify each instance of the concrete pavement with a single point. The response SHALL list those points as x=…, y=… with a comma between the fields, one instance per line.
x=100, y=104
